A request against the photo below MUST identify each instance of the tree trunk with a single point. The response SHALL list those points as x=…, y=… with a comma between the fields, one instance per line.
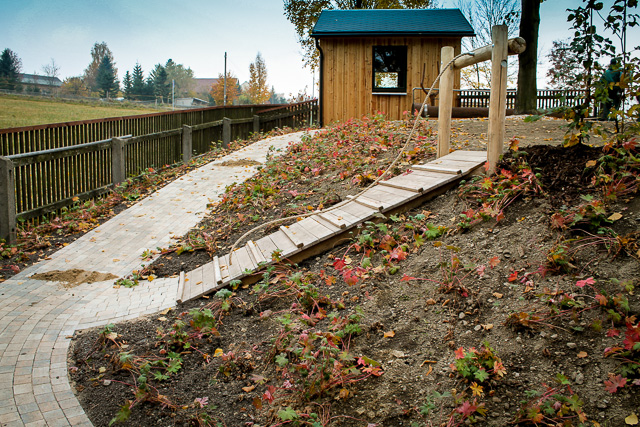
x=526, y=98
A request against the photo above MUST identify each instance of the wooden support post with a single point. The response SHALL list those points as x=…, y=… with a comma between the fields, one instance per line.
x=7, y=201
x=118, y=166
x=445, y=93
x=226, y=132
x=256, y=124
x=187, y=143
x=498, y=100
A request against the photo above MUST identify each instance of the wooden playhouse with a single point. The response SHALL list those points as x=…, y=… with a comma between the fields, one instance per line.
x=372, y=59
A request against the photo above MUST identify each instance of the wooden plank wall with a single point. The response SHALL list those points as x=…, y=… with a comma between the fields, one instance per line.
x=347, y=75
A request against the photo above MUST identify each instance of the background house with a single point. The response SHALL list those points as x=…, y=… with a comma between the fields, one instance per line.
x=371, y=59
x=46, y=84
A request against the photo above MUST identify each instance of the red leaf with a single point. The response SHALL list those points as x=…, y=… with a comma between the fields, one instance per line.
x=406, y=278
x=614, y=383
x=466, y=409
x=582, y=283
x=459, y=353
x=602, y=300
x=339, y=264
x=613, y=332
x=630, y=144
x=557, y=220
x=493, y=262
x=513, y=276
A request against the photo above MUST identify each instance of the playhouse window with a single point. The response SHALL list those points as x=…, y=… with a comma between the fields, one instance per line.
x=390, y=69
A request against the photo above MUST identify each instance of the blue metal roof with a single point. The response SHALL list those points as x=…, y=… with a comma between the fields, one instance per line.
x=392, y=22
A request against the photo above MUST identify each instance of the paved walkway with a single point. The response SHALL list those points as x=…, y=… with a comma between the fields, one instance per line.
x=38, y=318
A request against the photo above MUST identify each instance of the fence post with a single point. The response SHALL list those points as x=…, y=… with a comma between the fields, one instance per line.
x=117, y=161
x=256, y=124
x=498, y=97
x=226, y=132
x=446, y=102
x=7, y=201
x=187, y=143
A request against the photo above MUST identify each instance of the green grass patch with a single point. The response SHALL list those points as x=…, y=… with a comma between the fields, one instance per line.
x=17, y=111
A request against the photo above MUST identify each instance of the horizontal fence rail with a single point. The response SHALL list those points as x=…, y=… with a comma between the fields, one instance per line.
x=479, y=98
x=46, y=168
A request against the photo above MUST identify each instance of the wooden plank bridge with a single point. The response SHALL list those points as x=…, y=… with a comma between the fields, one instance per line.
x=320, y=232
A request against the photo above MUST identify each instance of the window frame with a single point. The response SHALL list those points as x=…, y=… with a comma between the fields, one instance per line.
x=403, y=52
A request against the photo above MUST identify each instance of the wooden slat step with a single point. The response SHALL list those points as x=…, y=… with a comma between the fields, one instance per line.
x=244, y=260
x=450, y=166
x=192, y=283
x=437, y=177
x=346, y=216
x=334, y=220
x=181, y=288
x=365, y=201
x=224, y=268
x=257, y=255
x=233, y=270
x=216, y=268
x=403, y=183
x=319, y=230
x=359, y=211
x=467, y=156
x=284, y=243
x=299, y=235
x=266, y=246
x=209, y=275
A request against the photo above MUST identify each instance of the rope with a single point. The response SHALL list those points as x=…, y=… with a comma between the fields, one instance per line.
x=390, y=167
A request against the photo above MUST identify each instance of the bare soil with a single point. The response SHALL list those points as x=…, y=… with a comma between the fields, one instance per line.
x=410, y=321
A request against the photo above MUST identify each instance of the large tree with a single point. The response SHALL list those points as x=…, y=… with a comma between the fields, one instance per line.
x=526, y=97
x=74, y=86
x=138, y=85
x=10, y=67
x=483, y=15
x=217, y=89
x=303, y=14
x=160, y=83
x=127, y=84
x=183, y=77
x=98, y=52
x=564, y=66
x=51, y=70
x=106, y=78
x=258, y=88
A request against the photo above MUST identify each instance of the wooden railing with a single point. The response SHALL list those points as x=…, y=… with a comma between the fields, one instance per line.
x=479, y=98
x=45, y=168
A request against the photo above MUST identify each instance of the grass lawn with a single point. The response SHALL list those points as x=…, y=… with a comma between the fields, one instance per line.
x=22, y=111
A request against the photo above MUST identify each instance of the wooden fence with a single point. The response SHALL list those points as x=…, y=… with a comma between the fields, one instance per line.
x=479, y=98
x=45, y=168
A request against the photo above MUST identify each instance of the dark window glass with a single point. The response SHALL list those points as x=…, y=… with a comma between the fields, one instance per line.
x=390, y=69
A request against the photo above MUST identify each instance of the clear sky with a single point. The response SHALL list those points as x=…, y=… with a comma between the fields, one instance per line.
x=195, y=33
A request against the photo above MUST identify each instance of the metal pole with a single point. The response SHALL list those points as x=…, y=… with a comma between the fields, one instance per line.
x=224, y=97
x=173, y=94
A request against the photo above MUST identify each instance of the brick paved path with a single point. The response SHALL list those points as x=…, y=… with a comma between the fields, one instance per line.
x=38, y=318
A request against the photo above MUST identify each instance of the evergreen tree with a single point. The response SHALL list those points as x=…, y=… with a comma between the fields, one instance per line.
x=98, y=51
x=161, y=87
x=137, y=85
x=128, y=84
x=10, y=67
x=106, y=78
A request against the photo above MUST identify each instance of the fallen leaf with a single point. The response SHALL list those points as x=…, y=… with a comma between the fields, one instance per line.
x=614, y=217
x=488, y=326
x=116, y=260
x=631, y=420
x=162, y=319
x=218, y=352
x=429, y=371
x=102, y=370
x=249, y=388
x=591, y=163
x=163, y=312
x=431, y=301
x=389, y=334
x=344, y=393
x=582, y=354
x=497, y=295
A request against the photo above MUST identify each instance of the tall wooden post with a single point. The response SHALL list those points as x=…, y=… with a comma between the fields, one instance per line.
x=226, y=132
x=446, y=102
x=498, y=101
x=118, y=173
x=187, y=143
x=7, y=201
